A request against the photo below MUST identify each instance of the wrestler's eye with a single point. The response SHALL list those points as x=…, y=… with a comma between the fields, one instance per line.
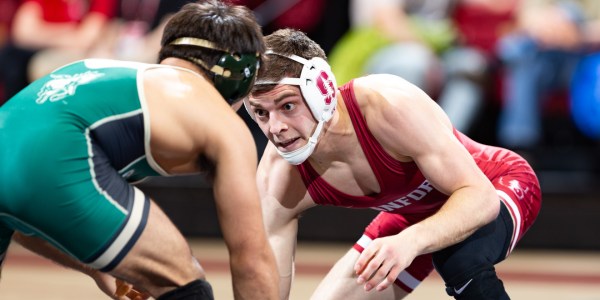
x=260, y=112
x=289, y=106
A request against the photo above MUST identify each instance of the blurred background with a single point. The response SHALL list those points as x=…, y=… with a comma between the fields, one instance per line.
x=521, y=74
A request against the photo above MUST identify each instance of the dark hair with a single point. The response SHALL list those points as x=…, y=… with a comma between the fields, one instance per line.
x=230, y=27
x=285, y=42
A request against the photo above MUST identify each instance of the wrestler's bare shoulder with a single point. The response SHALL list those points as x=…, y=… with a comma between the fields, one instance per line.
x=173, y=79
x=377, y=90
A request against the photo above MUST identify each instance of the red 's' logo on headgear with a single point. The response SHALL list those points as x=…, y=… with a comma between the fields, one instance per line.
x=325, y=86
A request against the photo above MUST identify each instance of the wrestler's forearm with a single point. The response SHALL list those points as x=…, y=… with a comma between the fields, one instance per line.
x=466, y=211
x=282, y=238
x=254, y=275
x=285, y=271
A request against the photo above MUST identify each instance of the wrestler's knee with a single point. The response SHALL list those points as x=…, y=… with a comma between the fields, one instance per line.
x=482, y=284
x=468, y=267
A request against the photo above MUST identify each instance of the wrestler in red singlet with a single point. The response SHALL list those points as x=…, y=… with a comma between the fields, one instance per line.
x=406, y=197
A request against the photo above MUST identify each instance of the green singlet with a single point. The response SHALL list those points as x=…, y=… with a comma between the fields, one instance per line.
x=70, y=144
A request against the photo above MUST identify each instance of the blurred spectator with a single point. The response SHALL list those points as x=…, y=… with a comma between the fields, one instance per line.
x=7, y=11
x=430, y=44
x=585, y=96
x=325, y=21
x=43, y=24
x=470, y=65
x=539, y=58
x=138, y=28
x=134, y=35
x=273, y=14
x=397, y=37
x=418, y=30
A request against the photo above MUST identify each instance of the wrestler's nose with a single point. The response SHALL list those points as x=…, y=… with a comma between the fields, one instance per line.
x=276, y=124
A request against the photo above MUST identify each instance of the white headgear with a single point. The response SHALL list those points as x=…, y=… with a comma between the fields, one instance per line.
x=318, y=87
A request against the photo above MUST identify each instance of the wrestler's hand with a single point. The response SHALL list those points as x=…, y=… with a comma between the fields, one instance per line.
x=126, y=291
x=117, y=289
x=380, y=263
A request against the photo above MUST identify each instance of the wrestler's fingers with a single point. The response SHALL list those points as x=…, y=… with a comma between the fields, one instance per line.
x=389, y=279
x=370, y=270
x=377, y=275
x=125, y=291
x=365, y=258
x=137, y=295
x=122, y=288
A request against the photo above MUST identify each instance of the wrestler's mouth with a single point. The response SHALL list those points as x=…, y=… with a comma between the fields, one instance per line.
x=287, y=145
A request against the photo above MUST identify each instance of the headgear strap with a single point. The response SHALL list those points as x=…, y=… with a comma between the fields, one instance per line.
x=191, y=41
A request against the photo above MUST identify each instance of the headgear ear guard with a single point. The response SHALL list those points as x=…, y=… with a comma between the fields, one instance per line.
x=318, y=87
x=233, y=74
x=317, y=84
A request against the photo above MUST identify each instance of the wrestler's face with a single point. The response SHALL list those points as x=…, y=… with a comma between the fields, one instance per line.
x=283, y=116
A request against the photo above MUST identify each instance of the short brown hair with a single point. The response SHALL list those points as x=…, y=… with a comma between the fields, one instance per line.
x=229, y=27
x=285, y=42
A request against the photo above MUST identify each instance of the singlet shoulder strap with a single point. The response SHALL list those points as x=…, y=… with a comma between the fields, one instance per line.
x=378, y=158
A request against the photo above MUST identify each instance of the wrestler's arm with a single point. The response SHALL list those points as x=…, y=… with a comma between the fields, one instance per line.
x=284, y=198
x=111, y=287
x=240, y=216
x=194, y=129
x=410, y=125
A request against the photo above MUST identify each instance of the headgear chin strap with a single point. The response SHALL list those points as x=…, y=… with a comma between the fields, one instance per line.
x=299, y=155
x=233, y=74
x=318, y=87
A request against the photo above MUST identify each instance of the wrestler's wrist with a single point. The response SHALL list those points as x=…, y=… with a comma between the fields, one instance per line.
x=93, y=273
x=418, y=236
